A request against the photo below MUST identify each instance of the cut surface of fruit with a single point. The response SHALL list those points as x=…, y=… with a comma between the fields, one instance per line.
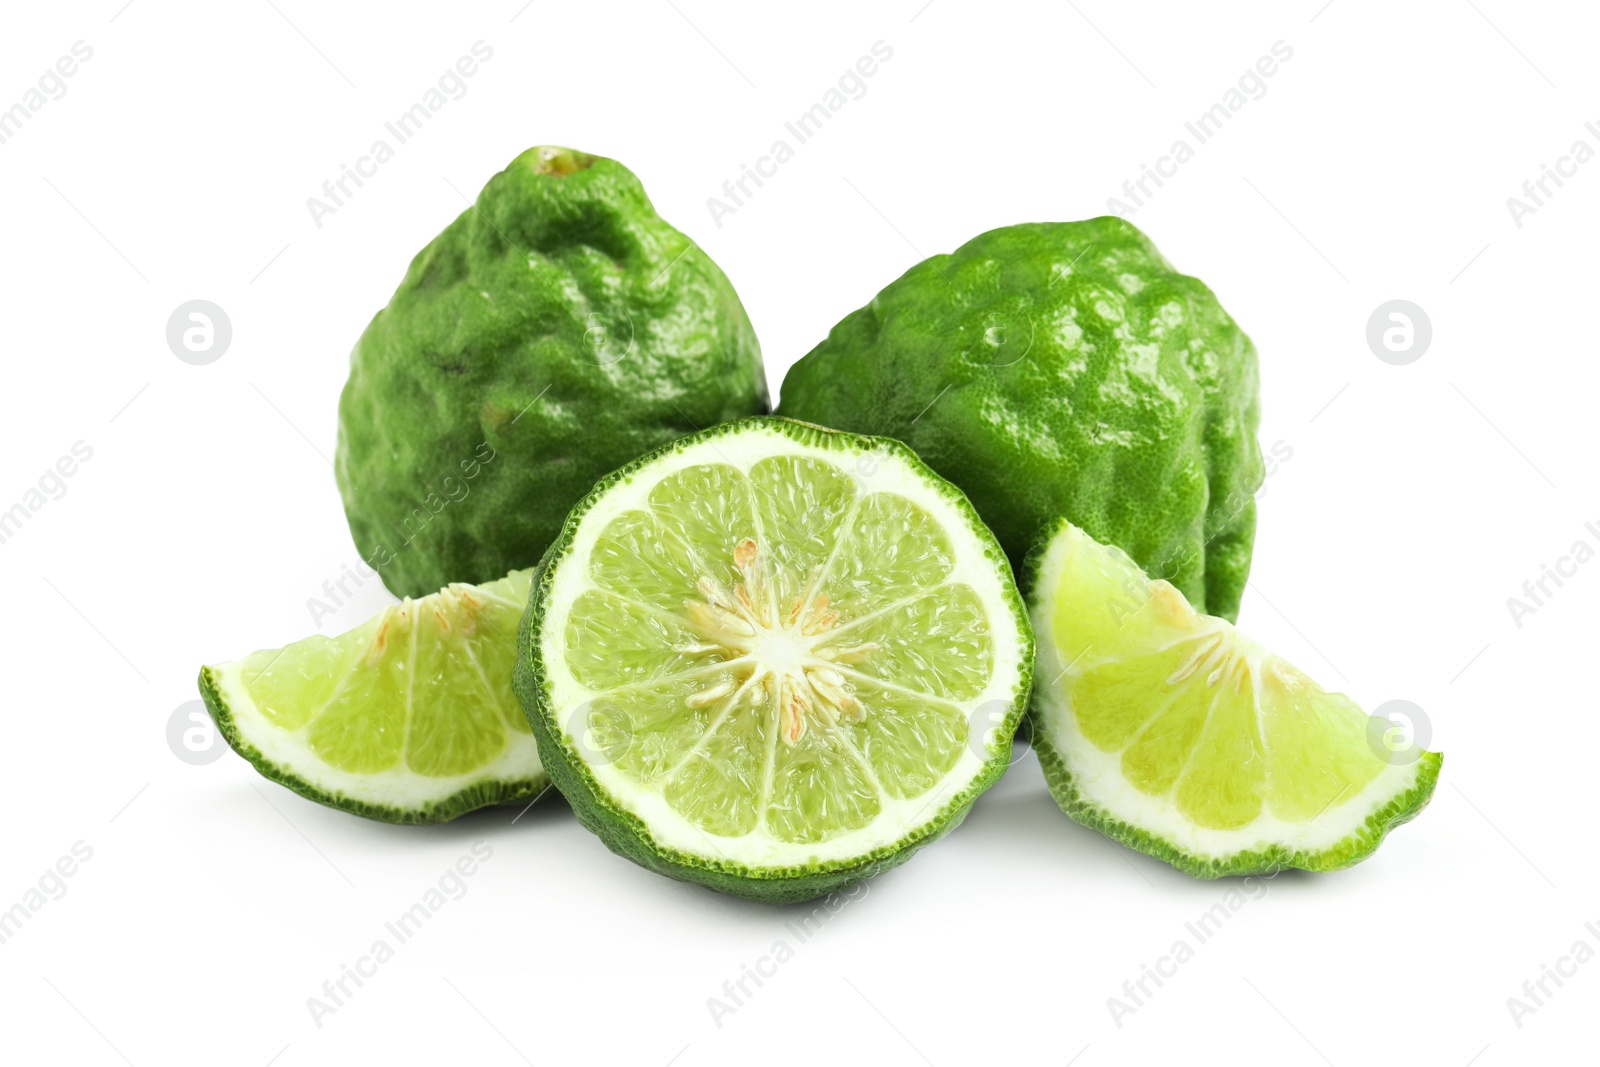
x=774, y=659
x=407, y=718
x=1175, y=734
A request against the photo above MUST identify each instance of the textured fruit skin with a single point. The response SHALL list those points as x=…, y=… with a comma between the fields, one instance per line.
x=629, y=836
x=1063, y=368
x=1063, y=785
x=555, y=330
x=1351, y=850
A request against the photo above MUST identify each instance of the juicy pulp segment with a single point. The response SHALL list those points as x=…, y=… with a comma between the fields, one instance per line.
x=937, y=643
x=909, y=741
x=781, y=651
x=289, y=684
x=1199, y=714
x=809, y=499
x=424, y=684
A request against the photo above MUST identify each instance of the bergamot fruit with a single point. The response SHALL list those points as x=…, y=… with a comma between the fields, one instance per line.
x=407, y=718
x=1175, y=734
x=555, y=330
x=1057, y=369
x=774, y=659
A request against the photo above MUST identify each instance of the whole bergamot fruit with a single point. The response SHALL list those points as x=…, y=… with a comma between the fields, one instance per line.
x=554, y=331
x=1063, y=369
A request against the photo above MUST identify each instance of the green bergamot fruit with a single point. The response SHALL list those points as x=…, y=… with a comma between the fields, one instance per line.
x=1055, y=369
x=555, y=330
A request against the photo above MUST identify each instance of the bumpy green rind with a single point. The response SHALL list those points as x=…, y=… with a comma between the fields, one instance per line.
x=555, y=330
x=629, y=836
x=1354, y=848
x=1063, y=368
x=1351, y=850
x=482, y=795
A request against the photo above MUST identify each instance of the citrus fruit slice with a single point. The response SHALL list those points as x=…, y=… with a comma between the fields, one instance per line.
x=1175, y=734
x=407, y=718
x=774, y=659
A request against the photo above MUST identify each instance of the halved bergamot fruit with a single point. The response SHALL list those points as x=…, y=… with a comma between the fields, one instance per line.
x=1175, y=734
x=407, y=718
x=774, y=659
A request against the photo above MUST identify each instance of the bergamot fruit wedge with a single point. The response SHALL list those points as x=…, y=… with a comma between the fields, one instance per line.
x=774, y=659
x=408, y=718
x=1175, y=734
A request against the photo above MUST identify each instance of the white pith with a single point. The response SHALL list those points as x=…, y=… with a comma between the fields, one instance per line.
x=784, y=651
x=1097, y=774
x=397, y=786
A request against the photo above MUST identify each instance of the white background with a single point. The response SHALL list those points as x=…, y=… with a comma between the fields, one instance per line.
x=1418, y=499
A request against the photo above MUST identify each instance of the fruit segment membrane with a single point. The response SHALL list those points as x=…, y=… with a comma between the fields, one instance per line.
x=1199, y=713
x=424, y=684
x=778, y=651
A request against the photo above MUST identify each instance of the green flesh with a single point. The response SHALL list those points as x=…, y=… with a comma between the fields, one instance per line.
x=1200, y=719
x=882, y=563
x=697, y=615
x=420, y=691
